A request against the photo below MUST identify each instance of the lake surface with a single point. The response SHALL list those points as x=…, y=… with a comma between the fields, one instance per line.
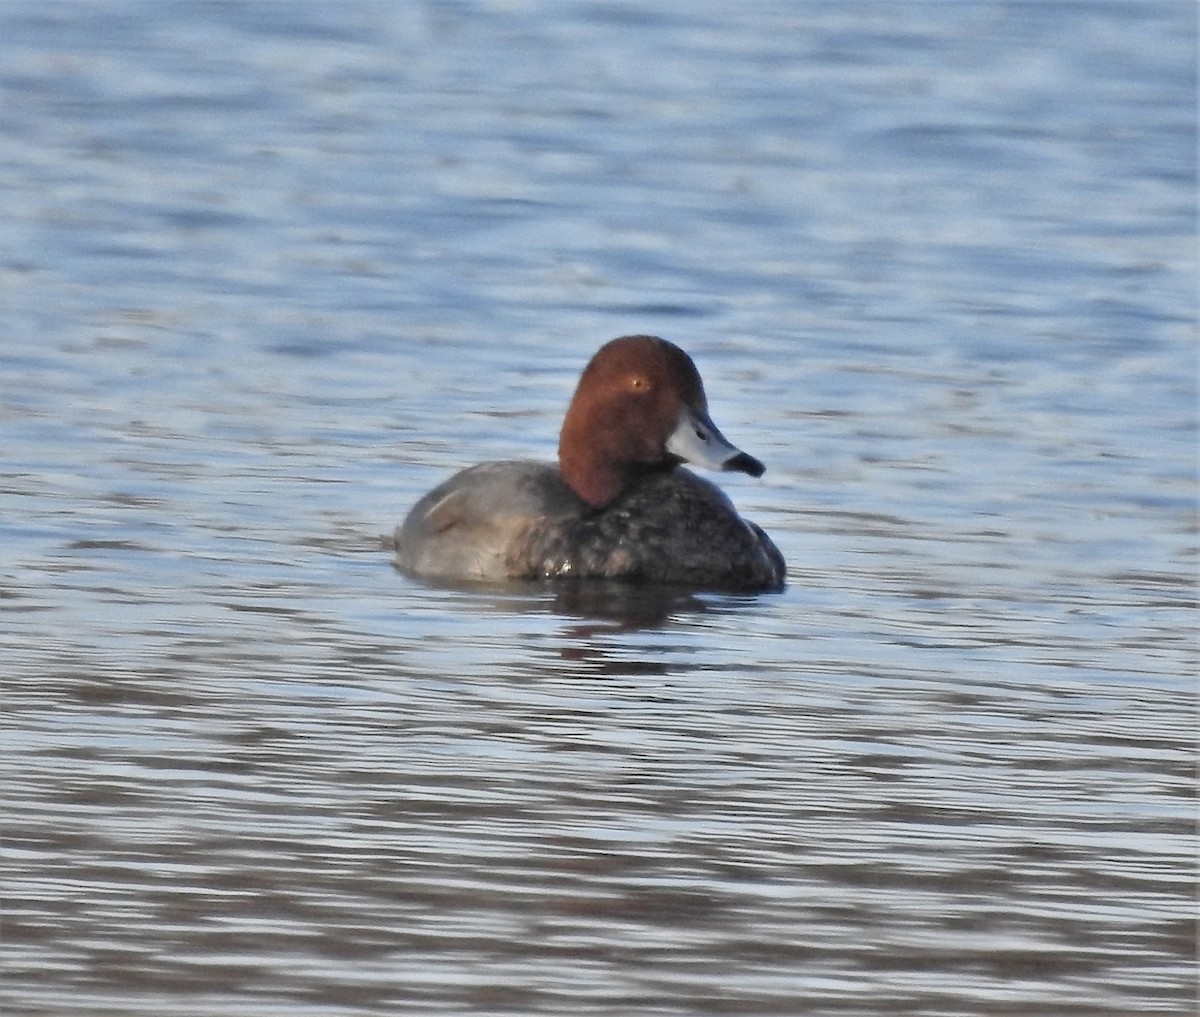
x=270, y=271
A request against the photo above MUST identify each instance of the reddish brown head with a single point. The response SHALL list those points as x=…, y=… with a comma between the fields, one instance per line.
x=640, y=404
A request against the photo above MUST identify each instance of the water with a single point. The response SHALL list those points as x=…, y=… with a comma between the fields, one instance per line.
x=271, y=271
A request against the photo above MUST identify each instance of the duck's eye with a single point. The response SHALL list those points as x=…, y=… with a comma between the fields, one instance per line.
x=638, y=383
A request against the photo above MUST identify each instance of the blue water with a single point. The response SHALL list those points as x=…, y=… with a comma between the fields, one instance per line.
x=270, y=271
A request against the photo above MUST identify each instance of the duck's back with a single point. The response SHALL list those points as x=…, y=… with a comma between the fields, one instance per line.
x=474, y=525
x=512, y=520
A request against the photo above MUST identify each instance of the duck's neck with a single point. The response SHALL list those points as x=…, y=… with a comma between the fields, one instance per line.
x=601, y=483
x=596, y=482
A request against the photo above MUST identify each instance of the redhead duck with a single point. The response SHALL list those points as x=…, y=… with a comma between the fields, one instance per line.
x=617, y=506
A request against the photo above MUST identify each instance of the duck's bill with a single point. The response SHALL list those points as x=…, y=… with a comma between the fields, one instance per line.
x=697, y=440
x=745, y=463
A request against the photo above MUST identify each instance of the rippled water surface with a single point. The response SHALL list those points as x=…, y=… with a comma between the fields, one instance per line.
x=270, y=271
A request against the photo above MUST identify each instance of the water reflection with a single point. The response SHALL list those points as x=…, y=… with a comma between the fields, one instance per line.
x=614, y=606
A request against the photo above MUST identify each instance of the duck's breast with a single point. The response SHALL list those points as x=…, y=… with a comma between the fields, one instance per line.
x=675, y=527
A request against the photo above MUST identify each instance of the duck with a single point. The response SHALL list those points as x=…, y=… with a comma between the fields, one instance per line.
x=617, y=506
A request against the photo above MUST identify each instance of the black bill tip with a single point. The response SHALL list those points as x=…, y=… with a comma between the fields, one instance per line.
x=743, y=463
